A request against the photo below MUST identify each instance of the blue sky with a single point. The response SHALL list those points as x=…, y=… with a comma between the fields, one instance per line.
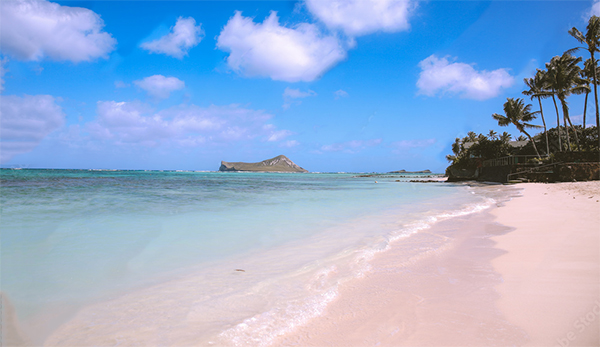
x=361, y=85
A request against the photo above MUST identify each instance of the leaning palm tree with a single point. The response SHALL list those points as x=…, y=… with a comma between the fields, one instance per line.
x=564, y=79
x=518, y=114
x=591, y=42
x=538, y=89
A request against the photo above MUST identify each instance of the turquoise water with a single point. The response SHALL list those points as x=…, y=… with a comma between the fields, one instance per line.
x=75, y=242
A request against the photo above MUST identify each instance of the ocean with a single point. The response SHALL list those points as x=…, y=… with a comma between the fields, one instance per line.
x=103, y=257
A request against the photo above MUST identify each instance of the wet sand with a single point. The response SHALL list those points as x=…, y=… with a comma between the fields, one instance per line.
x=526, y=273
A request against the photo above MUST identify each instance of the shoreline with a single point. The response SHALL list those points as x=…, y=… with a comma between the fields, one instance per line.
x=474, y=290
x=478, y=278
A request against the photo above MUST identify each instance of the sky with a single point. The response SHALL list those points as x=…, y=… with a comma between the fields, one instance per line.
x=336, y=86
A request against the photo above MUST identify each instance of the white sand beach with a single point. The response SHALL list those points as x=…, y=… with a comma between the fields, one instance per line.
x=525, y=273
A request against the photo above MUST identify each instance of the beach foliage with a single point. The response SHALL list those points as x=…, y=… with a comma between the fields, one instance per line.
x=519, y=115
x=564, y=75
x=479, y=147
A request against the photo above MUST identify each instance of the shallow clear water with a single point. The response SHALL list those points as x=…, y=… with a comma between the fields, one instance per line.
x=87, y=247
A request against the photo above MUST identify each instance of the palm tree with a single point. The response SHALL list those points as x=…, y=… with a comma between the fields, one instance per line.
x=471, y=136
x=492, y=135
x=563, y=78
x=545, y=76
x=587, y=74
x=591, y=41
x=505, y=137
x=518, y=114
x=537, y=89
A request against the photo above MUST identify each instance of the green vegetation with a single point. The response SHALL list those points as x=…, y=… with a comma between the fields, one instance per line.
x=481, y=147
x=518, y=114
x=561, y=78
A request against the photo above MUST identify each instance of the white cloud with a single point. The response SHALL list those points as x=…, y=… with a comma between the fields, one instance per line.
x=3, y=70
x=595, y=10
x=340, y=94
x=32, y=30
x=284, y=54
x=183, y=36
x=361, y=17
x=439, y=75
x=407, y=144
x=290, y=144
x=351, y=146
x=160, y=86
x=279, y=135
x=290, y=95
x=25, y=122
x=134, y=123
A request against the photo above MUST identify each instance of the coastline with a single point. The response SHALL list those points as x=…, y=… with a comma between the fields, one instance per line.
x=517, y=274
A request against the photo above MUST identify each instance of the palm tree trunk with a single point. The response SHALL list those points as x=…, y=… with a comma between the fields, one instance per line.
x=574, y=132
x=560, y=148
x=545, y=131
x=565, y=112
x=585, y=108
x=566, y=119
x=596, y=97
x=532, y=142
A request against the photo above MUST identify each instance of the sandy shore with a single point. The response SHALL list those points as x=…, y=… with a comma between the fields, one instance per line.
x=551, y=272
x=526, y=273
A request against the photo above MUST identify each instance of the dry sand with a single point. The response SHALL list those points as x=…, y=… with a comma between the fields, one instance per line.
x=551, y=272
x=524, y=274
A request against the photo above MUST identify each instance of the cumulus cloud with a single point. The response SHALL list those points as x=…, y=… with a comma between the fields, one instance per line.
x=26, y=121
x=361, y=17
x=160, y=86
x=290, y=95
x=134, y=123
x=31, y=30
x=340, y=94
x=182, y=37
x=438, y=75
x=351, y=146
x=270, y=50
x=595, y=10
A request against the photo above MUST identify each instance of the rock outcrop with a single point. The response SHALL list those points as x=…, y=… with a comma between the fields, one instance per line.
x=280, y=163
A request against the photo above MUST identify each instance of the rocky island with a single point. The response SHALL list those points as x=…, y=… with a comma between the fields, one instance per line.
x=280, y=163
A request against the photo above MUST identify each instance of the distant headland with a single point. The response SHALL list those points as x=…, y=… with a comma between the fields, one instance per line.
x=280, y=163
x=411, y=172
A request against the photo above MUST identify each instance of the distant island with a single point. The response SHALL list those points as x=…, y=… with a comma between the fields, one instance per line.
x=411, y=172
x=280, y=163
